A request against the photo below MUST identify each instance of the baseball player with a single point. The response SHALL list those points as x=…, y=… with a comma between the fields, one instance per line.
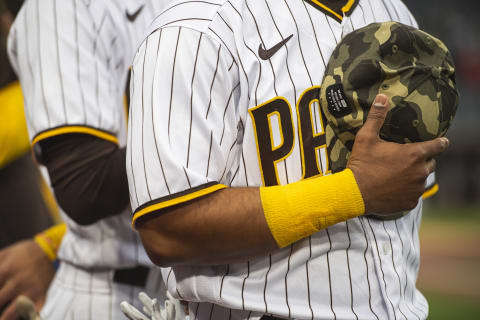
x=229, y=173
x=21, y=184
x=72, y=58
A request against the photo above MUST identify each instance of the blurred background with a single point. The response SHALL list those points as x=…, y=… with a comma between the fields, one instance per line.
x=450, y=234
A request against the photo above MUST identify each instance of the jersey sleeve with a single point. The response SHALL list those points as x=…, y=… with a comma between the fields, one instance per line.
x=431, y=186
x=183, y=119
x=58, y=50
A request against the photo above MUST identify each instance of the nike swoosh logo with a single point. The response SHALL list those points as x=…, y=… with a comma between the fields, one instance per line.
x=267, y=54
x=132, y=17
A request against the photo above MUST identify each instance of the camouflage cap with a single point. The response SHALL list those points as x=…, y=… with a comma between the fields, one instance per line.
x=412, y=68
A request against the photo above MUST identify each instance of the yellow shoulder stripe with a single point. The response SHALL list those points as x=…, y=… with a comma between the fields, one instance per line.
x=75, y=129
x=175, y=201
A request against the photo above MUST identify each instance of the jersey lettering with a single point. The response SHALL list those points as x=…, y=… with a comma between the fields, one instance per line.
x=311, y=141
x=270, y=153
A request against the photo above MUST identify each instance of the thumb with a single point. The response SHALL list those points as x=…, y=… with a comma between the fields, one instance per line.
x=376, y=115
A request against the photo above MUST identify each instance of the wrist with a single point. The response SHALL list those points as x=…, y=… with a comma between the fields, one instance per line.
x=361, y=187
x=300, y=209
x=49, y=240
x=45, y=246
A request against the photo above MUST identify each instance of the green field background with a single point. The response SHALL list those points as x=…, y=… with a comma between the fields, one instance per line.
x=450, y=261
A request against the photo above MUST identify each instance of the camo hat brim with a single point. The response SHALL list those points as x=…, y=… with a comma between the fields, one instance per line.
x=412, y=68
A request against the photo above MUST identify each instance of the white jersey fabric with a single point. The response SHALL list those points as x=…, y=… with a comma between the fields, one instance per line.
x=216, y=103
x=73, y=59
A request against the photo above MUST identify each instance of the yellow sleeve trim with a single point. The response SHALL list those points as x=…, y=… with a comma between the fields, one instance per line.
x=175, y=201
x=75, y=129
x=50, y=240
x=430, y=192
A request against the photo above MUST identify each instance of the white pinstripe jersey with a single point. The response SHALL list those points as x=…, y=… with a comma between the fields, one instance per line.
x=72, y=58
x=217, y=103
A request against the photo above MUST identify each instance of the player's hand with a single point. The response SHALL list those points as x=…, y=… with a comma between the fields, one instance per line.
x=172, y=310
x=24, y=270
x=391, y=176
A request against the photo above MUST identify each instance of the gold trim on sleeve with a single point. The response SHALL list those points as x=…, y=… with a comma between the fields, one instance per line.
x=74, y=129
x=430, y=191
x=169, y=201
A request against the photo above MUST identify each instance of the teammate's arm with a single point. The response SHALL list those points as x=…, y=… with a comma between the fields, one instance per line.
x=88, y=176
x=183, y=133
x=71, y=104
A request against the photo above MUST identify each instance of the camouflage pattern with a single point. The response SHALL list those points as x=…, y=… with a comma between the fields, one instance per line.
x=414, y=69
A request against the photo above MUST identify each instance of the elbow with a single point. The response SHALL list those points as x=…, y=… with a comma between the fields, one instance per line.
x=83, y=220
x=82, y=212
x=162, y=251
x=160, y=258
x=86, y=209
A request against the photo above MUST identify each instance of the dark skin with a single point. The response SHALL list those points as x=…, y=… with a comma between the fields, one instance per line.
x=24, y=270
x=229, y=225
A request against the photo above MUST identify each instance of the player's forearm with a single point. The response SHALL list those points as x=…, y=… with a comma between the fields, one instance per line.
x=226, y=226
x=238, y=223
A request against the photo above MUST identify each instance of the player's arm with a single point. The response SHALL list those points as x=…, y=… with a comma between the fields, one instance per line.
x=237, y=223
x=185, y=212
x=88, y=176
x=73, y=113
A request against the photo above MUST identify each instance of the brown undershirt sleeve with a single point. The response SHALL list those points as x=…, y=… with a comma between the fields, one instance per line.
x=88, y=176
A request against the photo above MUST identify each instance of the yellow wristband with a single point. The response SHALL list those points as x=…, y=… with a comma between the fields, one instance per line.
x=300, y=209
x=50, y=240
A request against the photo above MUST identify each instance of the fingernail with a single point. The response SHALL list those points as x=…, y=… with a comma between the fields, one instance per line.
x=379, y=106
x=446, y=141
x=380, y=101
x=443, y=144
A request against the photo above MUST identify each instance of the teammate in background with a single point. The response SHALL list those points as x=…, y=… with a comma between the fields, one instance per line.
x=72, y=58
x=21, y=195
x=24, y=198
x=222, y=93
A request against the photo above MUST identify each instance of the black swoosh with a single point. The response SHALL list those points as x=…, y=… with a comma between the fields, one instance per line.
x=267, y=54
x=132, y=17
